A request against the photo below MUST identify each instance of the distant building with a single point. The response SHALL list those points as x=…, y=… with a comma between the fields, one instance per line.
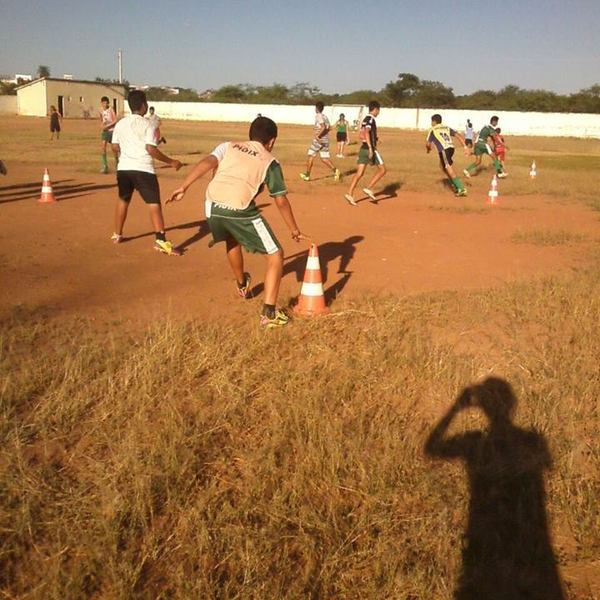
x=18, y=78
x=73, y=98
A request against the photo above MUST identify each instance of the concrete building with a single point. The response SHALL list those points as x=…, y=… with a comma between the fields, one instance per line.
x=73, y=98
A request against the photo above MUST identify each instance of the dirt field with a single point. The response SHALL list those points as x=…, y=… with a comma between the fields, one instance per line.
x=59, y=257
x=157, y=444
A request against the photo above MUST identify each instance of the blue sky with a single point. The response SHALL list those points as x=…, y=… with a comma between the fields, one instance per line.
x=338, y=46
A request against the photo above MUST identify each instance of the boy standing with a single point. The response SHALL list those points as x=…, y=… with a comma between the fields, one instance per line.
x=320, y=144
x=469, y=134
x=134, y=145
x=368, y=155
x=55, y=119
x=485, y=145
x=441, y=136
x=108, y=118
x=242, y=170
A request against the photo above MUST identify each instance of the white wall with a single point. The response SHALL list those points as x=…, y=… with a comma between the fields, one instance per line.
x=512, y=123
x=8, y=105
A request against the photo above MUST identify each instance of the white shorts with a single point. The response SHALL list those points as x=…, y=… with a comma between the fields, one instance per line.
x=320, y=147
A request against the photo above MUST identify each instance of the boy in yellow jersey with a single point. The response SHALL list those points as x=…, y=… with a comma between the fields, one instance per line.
x=242, y=170
x=440, y=136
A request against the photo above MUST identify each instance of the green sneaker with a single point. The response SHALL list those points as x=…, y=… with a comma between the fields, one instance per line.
x=279, y=320
x=166, y=248
x=305, y=176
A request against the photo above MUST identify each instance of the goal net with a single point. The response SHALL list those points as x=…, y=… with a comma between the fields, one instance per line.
x=354, y=114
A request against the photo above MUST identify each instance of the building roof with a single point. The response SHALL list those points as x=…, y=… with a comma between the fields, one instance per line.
x=105, y=84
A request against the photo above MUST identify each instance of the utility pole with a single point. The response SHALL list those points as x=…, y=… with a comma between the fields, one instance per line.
x=120, y=57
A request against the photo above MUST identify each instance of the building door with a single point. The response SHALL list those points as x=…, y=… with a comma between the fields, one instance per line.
x=61, y=105
x=115, y=106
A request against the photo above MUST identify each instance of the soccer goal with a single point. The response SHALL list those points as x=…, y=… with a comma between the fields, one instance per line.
x=353, y=113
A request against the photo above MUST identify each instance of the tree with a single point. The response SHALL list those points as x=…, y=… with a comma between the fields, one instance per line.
x=433, y=94
x=43, y=71
x=399, y=92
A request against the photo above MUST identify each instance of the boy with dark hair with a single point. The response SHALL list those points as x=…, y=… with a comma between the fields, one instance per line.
x=485, y=145
x=108, y=118
x=368, y=155
x=242, y=169
x=441, y=136
x=469, y=134
x=134, y=144
x=320, y=144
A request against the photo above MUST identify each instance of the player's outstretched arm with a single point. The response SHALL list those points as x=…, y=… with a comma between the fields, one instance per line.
x=208, y=163
x=285, y=208
x=154, y=152
x=461, y=139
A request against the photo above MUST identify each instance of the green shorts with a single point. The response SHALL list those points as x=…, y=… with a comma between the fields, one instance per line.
x=482, y=148
x=106, y=136
x=363, y=157
x=245, y=226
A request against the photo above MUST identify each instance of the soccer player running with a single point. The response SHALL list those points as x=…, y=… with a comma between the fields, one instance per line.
x=440, y=136
x=320, y=144
x=485, y=145
x=368, y=154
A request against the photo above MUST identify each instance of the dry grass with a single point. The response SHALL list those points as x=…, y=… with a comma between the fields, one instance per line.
x=545, y=237
x=201, y=460
x=563, y=165
x=214, y=461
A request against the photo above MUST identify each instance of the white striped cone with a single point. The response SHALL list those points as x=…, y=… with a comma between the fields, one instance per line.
x=47, y=193
x=493, y=193
x=312, y=299
x=533, y=171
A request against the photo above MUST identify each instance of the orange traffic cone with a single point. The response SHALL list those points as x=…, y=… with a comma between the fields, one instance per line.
x=312, y=299
x=533, y=171
x=493, y=193
x=47, y=193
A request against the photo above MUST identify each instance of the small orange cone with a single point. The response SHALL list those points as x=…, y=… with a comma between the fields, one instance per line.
x=493, y=193
x=312, y=299
x=47, y=193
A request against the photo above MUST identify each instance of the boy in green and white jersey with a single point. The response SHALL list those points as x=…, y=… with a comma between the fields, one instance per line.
x=241, y=171
x=485, y=145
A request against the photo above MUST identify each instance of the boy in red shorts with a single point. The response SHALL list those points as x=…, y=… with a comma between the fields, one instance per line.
x=500, y=146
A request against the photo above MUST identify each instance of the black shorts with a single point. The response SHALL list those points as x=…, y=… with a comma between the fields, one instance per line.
x=446, y=157
x=341, y=136
x=55, y=128
x=145, y=183
x=468, y=143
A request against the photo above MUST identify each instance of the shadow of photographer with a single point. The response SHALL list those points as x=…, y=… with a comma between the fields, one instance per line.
x=507, y=551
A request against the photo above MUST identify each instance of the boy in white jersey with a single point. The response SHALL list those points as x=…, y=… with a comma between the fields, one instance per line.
x=320, y=144
x=133, y=142
x=108, y=118
x=242, y=169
